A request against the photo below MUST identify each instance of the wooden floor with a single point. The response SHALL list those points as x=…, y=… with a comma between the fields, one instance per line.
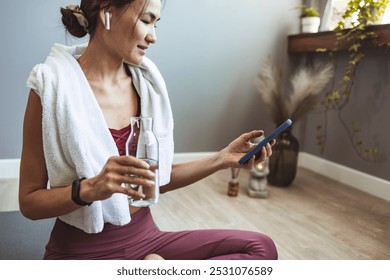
x=315, y=218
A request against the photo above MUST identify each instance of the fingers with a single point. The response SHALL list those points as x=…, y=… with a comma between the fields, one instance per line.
x=133, y=171
x=127, y=165
x=139, y=188
x=121, y=170
x=253, y=134
x=129, y=191
x=133, y=191
x=129, y=161
x=134, y=180
x=261, y=156
x=139, y=173
x=266, y=151
x=127, y=185
x=250, y=164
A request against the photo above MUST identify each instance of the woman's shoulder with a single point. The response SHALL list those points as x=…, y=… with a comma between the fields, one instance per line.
x=60, y=61
x=38, y=77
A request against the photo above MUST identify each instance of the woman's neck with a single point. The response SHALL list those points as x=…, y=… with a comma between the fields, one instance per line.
x=101, y=66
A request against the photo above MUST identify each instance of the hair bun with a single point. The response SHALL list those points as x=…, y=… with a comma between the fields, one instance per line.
x=74, y=21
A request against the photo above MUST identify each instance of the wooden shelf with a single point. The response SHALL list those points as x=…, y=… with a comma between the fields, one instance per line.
x=311, y=42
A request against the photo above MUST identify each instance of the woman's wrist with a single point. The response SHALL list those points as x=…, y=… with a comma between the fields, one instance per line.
x=85, y=191
x=219, y=161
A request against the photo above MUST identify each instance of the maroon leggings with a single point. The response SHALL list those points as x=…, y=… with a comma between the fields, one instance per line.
x=141, y=237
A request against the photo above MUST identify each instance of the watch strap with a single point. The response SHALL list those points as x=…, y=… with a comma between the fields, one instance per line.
x=76, y=193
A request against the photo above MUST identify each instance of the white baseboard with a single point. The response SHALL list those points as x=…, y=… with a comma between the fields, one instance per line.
x=354, y=178
x=9, y=168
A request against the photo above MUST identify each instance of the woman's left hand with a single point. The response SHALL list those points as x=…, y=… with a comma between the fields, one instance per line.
x=240, y=146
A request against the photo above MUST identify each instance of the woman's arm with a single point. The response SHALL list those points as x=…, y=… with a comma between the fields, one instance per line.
x=38, y=202
x=35, y=200
x=184, y=174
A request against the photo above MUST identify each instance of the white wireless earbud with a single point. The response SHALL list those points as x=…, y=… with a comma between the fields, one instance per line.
x=107, y=20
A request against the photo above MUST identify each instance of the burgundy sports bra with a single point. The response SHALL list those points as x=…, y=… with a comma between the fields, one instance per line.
x=120, y=137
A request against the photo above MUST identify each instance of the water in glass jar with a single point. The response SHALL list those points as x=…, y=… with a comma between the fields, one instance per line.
x=151, y=193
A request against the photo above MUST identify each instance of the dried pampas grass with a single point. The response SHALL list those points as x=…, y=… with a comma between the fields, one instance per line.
x=269, y=85
x=306, y=84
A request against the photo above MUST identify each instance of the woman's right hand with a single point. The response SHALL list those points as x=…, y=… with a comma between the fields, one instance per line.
x=117, y=170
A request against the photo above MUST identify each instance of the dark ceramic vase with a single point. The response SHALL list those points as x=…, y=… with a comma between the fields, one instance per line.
x=284, y=160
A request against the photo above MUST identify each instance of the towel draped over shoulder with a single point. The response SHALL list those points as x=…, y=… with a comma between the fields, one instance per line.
x=76, y=139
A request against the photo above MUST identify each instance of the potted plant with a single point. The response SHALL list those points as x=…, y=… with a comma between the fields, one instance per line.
x=310, y=20
x=362, y=13
x=359, y=15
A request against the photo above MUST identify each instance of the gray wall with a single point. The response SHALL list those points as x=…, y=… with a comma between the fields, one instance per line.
x=369, y=105
x=207, y=50
x=29, y=30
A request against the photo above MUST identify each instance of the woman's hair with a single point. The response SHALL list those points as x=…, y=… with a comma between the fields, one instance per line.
x=90, y=10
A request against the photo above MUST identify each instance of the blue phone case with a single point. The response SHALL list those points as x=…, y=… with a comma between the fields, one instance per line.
x=259, y=146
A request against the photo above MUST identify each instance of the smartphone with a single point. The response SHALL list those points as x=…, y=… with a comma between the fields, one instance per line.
x=257, y=148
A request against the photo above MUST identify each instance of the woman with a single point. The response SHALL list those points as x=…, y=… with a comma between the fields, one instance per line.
x=77, y=116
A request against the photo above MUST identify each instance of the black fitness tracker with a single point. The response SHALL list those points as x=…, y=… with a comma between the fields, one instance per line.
x=76, y=193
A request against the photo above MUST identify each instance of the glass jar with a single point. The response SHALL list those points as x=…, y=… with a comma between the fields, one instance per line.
x=142, y=143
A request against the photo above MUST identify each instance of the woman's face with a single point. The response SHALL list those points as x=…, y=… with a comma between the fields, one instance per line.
x=133, y=30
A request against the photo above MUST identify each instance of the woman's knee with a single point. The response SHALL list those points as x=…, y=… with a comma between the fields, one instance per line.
x=272, y=252
x=264, y=247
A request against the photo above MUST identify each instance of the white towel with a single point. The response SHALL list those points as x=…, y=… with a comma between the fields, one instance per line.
x=76, y=139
